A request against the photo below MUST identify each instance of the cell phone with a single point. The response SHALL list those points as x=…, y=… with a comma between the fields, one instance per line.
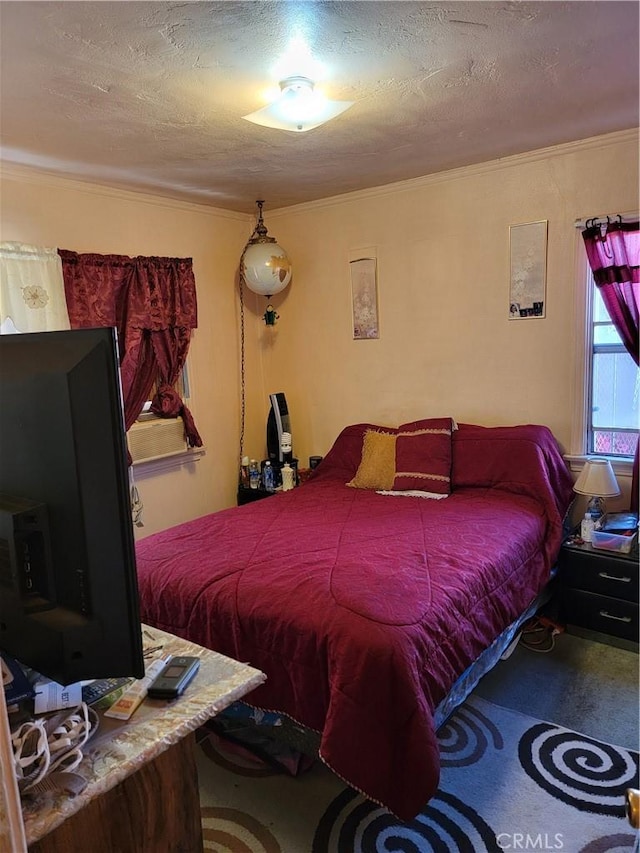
x=175, y=676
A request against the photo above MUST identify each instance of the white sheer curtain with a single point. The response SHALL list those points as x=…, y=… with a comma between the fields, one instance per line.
x=31, y=289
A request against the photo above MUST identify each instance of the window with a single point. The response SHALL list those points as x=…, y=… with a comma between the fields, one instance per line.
x=181, y=386
x=155, y=439
x=614, y=387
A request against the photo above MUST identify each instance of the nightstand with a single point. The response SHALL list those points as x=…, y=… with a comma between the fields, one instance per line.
x=248, y=495
x=598, y=590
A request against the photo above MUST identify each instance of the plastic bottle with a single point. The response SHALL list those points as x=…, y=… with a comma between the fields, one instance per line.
x=586, y=527
x=254, y=474
x=288, y=477
x=267, y=477
x=244, y=472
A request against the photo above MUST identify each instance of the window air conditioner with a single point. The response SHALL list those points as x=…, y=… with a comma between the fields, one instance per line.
x=156, y=438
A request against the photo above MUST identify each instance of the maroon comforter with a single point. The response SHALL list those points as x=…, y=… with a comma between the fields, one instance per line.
x=363, y=609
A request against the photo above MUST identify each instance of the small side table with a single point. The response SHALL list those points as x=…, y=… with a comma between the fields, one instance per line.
x=142, y=782
x=248, y=495
x=599, y=590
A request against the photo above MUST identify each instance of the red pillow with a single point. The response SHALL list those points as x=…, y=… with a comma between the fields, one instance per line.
x=423, y=456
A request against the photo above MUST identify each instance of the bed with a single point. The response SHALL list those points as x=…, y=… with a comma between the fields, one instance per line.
x=365, y=609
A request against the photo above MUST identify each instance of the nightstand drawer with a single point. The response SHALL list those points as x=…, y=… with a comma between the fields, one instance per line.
x=601, y=613
x=601, y=573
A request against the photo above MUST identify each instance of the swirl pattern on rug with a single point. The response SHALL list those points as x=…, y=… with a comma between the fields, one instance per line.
x=465, y=737
x=351, y=823
x=618, y=843
x=589, y=775
x=234, y=831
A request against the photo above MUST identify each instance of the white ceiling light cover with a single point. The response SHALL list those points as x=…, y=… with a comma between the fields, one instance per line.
x=299, y=108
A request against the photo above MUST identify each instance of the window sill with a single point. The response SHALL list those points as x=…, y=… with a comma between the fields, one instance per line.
x=622, y=466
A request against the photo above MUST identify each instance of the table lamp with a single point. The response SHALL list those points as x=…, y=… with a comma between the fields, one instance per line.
x=599, y=482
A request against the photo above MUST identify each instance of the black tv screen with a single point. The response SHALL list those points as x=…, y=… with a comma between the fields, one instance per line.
x=68, y=585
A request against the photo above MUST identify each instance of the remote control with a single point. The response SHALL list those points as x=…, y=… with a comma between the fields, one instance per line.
x=97, y=690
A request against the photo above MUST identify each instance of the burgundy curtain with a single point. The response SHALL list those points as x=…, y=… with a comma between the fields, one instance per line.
x=614, y=257
x=152, y=304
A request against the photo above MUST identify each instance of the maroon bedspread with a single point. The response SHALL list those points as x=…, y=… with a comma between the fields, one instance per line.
x=363, y=609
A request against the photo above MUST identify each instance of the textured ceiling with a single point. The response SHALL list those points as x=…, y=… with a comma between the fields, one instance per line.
x=150, y=96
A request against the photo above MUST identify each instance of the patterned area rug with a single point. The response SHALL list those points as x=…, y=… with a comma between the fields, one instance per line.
x=508, y=782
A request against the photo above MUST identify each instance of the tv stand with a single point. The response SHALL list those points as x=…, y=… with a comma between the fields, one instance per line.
x=136, y=769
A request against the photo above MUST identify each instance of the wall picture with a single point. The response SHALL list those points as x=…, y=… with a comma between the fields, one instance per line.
x=528, y=259
x=364, y=298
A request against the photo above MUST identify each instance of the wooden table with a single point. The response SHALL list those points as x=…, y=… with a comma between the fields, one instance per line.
x=142, y=785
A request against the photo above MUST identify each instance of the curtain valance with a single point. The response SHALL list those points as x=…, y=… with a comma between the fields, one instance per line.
x=153, y=293
x=32, y=295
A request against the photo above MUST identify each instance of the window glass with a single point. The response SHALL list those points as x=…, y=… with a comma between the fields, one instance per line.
x=614, y=388
x=605, y=334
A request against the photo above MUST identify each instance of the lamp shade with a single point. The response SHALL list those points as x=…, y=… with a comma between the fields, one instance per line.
x=597, y=479
x=266, y=267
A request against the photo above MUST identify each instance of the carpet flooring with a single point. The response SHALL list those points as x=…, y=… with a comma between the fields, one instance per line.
x=585, y=685
x=507, y=781
x=512, y=779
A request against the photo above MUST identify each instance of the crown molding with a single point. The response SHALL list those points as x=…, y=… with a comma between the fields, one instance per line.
x=42, y=177
x=35, y=175
x=594, y=142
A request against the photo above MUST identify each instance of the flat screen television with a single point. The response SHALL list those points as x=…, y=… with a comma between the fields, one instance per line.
x=68, y=584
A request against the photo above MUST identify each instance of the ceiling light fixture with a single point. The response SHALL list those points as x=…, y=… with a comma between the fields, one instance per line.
x=298, y=108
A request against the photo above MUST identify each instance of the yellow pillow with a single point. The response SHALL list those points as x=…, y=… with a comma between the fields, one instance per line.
x=377, y=467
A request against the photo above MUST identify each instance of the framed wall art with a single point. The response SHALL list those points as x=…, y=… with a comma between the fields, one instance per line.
x=364, y=298
x=528, y=270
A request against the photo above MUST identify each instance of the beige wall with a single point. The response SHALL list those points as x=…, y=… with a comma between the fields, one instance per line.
x=446, y=344
x=46, y=211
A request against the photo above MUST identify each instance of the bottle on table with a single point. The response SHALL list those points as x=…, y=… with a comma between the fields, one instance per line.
x=254, y=474
x=268, y=480
x=244, y=472
x=586, y=527
x=288, y=477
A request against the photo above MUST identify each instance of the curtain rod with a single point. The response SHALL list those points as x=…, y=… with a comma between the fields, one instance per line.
x=630, y=216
